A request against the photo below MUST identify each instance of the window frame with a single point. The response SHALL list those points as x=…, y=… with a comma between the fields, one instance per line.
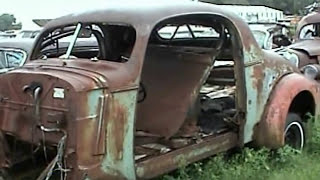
x=25, y=56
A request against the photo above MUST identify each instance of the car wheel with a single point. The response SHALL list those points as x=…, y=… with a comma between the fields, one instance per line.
x=294, y=134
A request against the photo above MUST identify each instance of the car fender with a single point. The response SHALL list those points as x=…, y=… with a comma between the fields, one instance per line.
x=269, y=131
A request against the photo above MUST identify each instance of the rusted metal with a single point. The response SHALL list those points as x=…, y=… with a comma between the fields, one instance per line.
x=96, y=101
x=269, y=132
x=169, y=96
x=311, y=47
x=165, y=163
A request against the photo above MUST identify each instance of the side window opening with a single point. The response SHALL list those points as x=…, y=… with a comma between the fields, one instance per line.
x=94, y=41
x=189, y=64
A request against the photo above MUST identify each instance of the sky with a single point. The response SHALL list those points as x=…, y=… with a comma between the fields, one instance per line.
x=26, y=10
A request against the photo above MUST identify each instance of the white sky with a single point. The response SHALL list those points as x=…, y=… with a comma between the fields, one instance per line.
x=26, y=10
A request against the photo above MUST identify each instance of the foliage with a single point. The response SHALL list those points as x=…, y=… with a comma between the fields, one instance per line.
x=261, y=164
x=288, y=6
x=8, y=22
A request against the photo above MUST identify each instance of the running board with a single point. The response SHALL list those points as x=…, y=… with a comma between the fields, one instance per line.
x=162, y=164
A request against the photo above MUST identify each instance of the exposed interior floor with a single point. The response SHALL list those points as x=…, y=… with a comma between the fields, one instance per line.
x=215, y=112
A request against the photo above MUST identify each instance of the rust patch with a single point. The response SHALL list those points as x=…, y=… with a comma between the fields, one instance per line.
x=269, y=132
x=116, y=128
x=258, y=77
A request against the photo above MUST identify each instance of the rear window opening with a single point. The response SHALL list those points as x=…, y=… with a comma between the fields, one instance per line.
x=96, y=41
x=187, y=31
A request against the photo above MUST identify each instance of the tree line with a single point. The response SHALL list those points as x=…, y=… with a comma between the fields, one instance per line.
x=288, y=6
x=8, y=22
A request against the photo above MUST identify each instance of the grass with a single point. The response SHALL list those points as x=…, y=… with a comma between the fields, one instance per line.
x=262, y=164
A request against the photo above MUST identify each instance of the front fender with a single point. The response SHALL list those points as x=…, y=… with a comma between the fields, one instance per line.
x=269, y=131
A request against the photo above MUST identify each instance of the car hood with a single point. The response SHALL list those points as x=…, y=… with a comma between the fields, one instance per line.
x=311, y=47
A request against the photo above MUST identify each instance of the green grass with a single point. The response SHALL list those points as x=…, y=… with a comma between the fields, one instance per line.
x=262, y=164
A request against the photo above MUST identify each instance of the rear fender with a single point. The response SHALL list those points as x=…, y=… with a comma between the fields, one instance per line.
x=269, y=131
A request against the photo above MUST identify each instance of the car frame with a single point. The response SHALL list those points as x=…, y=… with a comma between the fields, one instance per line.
x=88, y=108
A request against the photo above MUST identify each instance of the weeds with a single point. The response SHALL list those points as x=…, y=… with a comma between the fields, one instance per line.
x=284, y=163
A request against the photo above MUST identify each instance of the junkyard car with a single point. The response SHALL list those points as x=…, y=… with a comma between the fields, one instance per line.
x=13, y=53
x=270, y=35
x=305, y=51
x=142, y=101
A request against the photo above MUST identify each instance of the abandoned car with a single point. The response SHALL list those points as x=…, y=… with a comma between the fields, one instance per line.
x=270, y=35
x=13, y=53
x=305, y=51
x=141, y=101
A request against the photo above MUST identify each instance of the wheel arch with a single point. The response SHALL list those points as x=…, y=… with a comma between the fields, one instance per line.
x=287, y=96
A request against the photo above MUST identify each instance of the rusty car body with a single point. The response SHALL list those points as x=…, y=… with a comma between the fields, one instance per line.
x=139, y=103
x=305, y=51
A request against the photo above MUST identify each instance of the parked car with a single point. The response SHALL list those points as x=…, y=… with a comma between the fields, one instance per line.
x=13, y=53
x=305, y=51
x=139, y=104
x=270, y=35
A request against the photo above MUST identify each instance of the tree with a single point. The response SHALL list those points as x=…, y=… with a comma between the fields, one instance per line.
x=8, y=22
x=288, y=6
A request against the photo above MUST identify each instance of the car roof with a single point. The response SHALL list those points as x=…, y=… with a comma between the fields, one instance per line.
x=24, y=44
x=139, y=13
x=311, y=18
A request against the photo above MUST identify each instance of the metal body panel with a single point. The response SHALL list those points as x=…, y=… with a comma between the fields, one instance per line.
x=269, y=132
x=310, y=47
x=162, y=164
x=261, y=77
x=94, y=103
x=120, y=128
x=173, y=93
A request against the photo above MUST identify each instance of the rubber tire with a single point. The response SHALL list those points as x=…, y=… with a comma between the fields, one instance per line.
x=292, y=120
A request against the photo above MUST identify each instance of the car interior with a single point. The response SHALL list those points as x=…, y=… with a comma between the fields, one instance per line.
x=188, y=74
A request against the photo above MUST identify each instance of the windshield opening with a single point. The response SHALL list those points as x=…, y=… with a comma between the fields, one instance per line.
x=311, y=31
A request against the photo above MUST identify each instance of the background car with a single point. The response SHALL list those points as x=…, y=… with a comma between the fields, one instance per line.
x=14, y=53
x=270, y=35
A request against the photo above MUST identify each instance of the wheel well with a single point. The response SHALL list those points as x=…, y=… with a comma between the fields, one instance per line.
x=303, y=104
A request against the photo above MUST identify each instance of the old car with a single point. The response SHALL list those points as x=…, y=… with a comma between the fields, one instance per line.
x=305, y=51
x=141, y=102
x=270, y=35
x=13, y=53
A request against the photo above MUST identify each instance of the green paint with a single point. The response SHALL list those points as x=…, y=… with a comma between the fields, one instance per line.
x=121, y=163
x=257, y=98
